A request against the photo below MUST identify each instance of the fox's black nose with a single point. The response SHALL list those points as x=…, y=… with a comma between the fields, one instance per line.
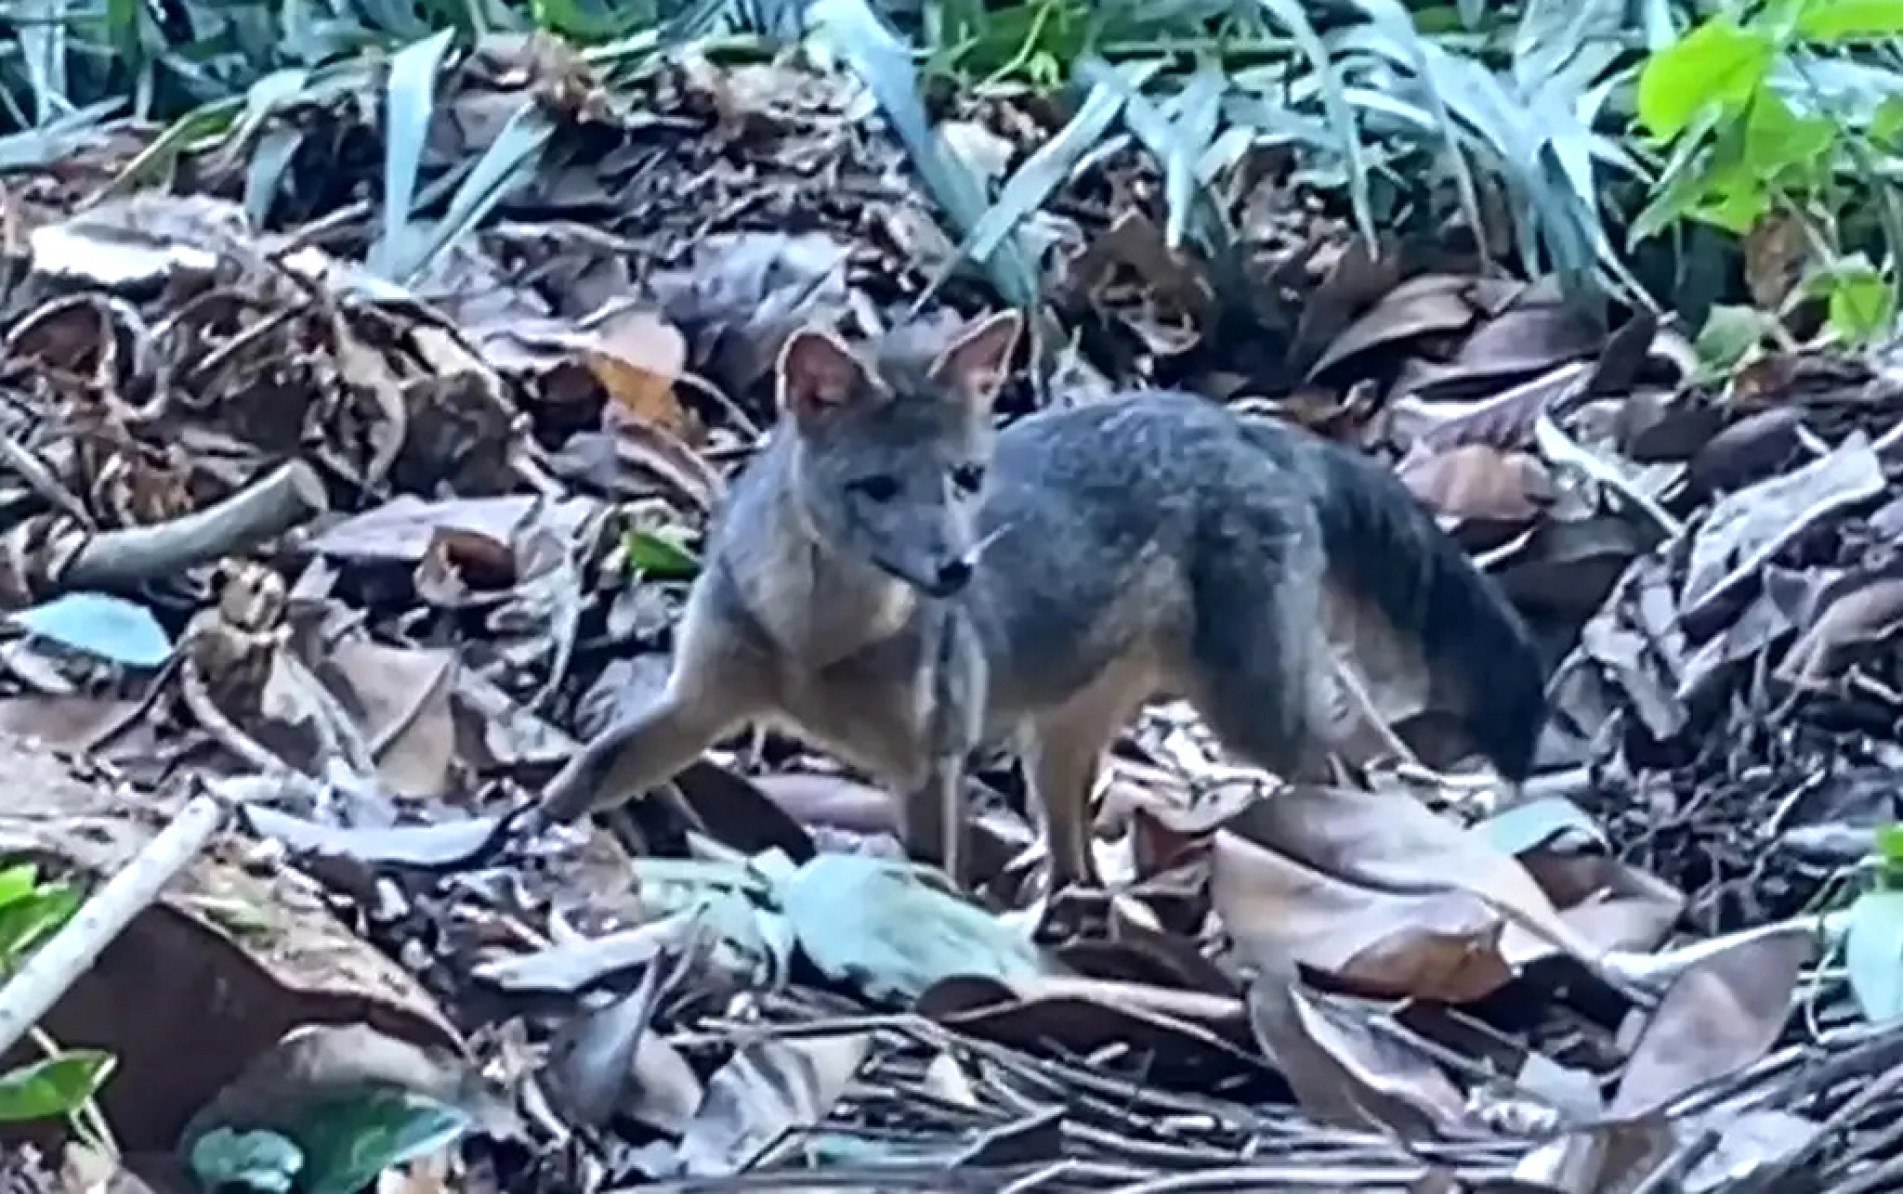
x=953, y=575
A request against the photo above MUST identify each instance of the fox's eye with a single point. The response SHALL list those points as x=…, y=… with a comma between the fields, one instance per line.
x=877, y=488
x=968, y=477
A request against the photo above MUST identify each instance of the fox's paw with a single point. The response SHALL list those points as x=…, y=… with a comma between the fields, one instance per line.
x=1074, y=912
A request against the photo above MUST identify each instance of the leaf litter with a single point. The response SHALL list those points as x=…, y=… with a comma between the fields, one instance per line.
x=384, y=508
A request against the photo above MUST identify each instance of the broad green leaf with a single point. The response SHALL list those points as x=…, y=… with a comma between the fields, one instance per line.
x=1778, y=142
x=27, y=922
x=1873, y=953
x=409, y=101
x=507, y=163
x=252, y=1160
x=1730, y=334
x=880, y=926
x=55, y=1087
x=348, y=1142
x=660, y=557
x=1716, y=63
x=1862, y=304
x=1886, y=127
x=1834, y=21
x=18, y=882
x=1889, y=839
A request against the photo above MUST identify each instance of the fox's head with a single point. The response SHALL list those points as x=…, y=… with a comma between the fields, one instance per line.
x=889, y=458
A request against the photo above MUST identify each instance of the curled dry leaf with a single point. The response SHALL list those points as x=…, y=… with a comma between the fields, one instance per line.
x=1399, y=847
x=1345, y=1072
x=1717, y=1017
x=637, y=356
x=1444, y=945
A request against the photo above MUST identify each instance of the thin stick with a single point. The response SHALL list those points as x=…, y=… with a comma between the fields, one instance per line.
x=52, y=969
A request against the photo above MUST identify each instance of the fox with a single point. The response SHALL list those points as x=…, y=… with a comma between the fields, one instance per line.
x=893, y=579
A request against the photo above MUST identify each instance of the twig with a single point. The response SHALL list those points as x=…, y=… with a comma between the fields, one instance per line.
x=38, y=984
x=258, y=513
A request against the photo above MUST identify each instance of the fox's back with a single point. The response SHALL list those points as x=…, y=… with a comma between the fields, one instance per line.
x=1103, y=514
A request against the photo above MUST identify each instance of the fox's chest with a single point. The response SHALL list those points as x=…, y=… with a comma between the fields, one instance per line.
x=871, y=708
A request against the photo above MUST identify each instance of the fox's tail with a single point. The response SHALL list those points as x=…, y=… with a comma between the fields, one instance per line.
x=1386, y=549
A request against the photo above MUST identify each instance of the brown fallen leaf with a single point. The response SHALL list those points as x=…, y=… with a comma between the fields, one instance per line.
x=1478, y=482
x=1399, y=847
x=1717, y=1017
x=769, y=1087
x=1443, y=946
x=637, y=356
x=1348, y=1074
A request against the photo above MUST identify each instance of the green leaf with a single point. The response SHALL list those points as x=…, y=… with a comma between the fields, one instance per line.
x=55, y=1087
x=1730, y=334
x=17, y=882
x=1832, y=22
x=1873, y=953
x=883, y=62
x=258, y=1160
x=26, y=923
x=1716, y=63
x=660, y=557
x=1886, y=124
x=1862, y=306
x=1889, y=842
x=40, y=30
x=348, y=1142
x=408, y=103
x=1778, y=142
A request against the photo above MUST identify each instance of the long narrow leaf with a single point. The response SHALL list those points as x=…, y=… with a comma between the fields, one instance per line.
x=508, y=161
x=884, y=64
x=41, y=30
x=410, y=99
x=1290, y=13
x=1201, y=107
x=1034, y=182
x=1391, y=19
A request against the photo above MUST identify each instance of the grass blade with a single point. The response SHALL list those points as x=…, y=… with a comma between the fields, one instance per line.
x=510, y=158
x=883, y=62
x=1340, y=115
x=410, y=99
x=42, y=34
x=1201, y=107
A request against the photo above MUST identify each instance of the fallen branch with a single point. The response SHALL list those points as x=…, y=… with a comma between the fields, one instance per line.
x=38, y=985
x=255, y=514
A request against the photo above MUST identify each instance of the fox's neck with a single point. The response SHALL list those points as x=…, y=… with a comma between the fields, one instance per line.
x=817, y=605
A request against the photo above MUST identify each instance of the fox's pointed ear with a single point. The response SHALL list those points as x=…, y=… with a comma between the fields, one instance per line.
x=818, y=374
x=976, y=364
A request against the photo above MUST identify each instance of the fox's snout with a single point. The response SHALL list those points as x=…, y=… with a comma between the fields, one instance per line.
x=951, y=576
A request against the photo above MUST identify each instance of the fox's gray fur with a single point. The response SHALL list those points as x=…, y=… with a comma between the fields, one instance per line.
x=892, y=582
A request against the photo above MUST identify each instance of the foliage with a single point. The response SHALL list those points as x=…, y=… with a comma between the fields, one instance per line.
x=1755, y=136
x=63, y=1083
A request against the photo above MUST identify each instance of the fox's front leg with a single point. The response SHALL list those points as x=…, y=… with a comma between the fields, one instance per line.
x=935, y=827
x=710, y=691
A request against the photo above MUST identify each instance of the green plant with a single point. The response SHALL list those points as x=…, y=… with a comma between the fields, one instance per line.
x=64, y=1082
x=1756, y=132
